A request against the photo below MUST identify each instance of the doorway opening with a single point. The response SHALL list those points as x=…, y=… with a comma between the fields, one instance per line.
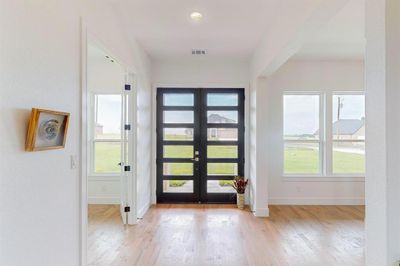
x=110, y=129
x=200, y=144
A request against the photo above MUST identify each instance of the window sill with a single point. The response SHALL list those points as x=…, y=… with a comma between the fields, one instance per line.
x=103, y=177
x=320, y=178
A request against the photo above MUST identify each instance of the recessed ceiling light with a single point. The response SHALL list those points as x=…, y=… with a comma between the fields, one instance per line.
x=196, y=16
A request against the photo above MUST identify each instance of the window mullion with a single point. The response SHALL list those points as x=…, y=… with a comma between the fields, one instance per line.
x=92, y=124
x=329, y=135
x=108, y=140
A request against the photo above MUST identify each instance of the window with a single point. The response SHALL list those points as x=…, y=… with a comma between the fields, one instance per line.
x=313, y=148
x=106, y=134
x=348, y=133
x=302, y=134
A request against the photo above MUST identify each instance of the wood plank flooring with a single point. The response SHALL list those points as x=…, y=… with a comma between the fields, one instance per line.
x=223, y=235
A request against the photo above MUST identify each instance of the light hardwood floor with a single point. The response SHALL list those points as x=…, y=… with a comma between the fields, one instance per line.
x=223, y=235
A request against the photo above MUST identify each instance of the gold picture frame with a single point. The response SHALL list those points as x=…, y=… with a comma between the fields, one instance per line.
x=47, y=130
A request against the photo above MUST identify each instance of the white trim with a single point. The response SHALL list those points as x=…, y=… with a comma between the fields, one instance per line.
x=103, y=200
x=349, y=140
x=261, y=212
x=317, y=201
x=325, y=140
x=322, y=133
x=348, y=93
x=328, y=136
x=104, y=174
x=104, y=178
x=83, y=228
x=323, y=178
x=143, y=210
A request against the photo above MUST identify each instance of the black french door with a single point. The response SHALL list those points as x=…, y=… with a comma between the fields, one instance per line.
x=200, y=144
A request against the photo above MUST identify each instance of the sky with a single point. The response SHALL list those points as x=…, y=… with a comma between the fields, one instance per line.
x=300, y=116
x=187, y=99
x=109, y=113
x=213, y=99
x=109, y=108
x=301, y=112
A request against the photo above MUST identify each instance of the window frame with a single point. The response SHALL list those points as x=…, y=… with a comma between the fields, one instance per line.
x=321, y=137
x=331, y=134
x=93, y=140
x=325, y=139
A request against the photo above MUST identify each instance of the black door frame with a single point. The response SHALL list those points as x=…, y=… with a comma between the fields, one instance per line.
x=199, y=143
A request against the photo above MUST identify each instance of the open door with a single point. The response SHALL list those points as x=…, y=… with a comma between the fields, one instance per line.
x=128, y=166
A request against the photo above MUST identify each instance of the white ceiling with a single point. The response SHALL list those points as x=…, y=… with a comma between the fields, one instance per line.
x=231, y=28
x=342, y=38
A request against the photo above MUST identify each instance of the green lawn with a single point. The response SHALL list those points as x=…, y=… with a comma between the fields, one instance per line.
x=297, y=160
x=107, y=157
x=177, y=151
x=302, y=160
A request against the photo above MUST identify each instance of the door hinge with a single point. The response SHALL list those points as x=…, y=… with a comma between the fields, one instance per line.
x=127, y=209
x=127, y=87
x=127, y=127
x=127, y=168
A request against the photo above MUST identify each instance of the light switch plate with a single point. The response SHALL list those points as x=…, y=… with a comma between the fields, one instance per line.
x=74, y=162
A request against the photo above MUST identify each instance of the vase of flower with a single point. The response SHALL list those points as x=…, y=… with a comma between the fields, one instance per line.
x=240, y=200
x=240, y=184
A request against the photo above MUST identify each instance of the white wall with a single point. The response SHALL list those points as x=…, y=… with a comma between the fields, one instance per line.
x=198, y=72
x=382, y=238
x=103, y=76
x=40, y=67
x=278, y=44
x=326, y=76
x=201, y=72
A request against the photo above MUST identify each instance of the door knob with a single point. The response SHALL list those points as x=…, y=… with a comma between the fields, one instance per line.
x=196, y=159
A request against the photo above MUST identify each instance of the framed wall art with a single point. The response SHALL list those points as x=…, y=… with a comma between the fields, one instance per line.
x=47, y=130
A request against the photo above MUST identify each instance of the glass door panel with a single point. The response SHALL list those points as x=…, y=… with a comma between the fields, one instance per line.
x=177, y=145
x=223, y=142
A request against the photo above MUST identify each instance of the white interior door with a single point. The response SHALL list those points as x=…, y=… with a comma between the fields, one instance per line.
x=128, y=154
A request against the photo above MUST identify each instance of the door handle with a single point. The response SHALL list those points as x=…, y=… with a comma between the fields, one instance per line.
x=196, y=159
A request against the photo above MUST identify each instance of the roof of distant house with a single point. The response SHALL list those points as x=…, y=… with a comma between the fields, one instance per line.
x=215, y=118
x=346, y=126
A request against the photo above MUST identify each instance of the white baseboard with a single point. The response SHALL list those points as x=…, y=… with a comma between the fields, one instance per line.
x=142, y=211
x=261, y=212
x=316, y=201
x=103, y=200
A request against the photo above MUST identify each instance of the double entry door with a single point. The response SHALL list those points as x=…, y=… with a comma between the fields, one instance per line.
x=200, y=144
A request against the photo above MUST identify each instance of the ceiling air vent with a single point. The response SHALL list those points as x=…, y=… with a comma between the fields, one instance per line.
x=198, y=52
